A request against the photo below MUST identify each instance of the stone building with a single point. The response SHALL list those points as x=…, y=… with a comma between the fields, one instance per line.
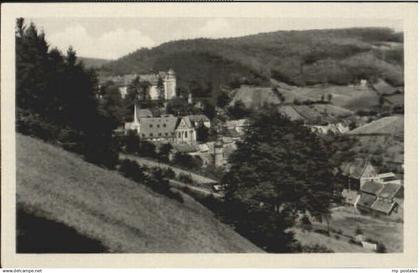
x=168, y=80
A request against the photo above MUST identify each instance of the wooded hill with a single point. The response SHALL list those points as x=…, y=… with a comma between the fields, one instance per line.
x=335, y=56
x=93, y=62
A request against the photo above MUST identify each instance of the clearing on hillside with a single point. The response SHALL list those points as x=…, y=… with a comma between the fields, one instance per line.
x=392, y=125
x=108, y=211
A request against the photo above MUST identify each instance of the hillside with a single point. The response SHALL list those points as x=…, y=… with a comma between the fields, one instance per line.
x=254, y=97
x=336, y=56
x=383, y=141
x=392, y=125
x=93, y=62
x=109, y=210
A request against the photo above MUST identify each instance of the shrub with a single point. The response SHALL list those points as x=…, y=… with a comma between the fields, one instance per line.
x=131, y=169
x=316, y=249
x=169, y=173
x=187, y=161
x=380, y=248
x=354, y=242
x=185, y=178
x=147, y=149
x=322, y=231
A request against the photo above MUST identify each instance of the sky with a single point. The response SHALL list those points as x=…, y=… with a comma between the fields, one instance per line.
x=111, y=38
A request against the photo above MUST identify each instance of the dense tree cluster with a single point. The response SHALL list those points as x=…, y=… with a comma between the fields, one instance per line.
x=281, y=169
x=56, y=98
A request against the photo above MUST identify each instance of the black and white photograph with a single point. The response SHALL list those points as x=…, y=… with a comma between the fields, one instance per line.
x=189, y=134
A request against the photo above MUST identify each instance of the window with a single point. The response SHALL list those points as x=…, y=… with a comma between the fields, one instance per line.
x=151, y=125
x=158, y=125
x=179, y=134
x=186, y=134
x=151, y=134
x=166, y=134
x=164, y=125
x=143, y=135
x=159, y=134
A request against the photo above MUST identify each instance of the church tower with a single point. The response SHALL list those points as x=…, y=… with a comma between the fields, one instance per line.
x=170, y=85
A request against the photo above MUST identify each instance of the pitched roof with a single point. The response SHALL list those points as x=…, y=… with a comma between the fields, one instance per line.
x=383, y=206
x=151, y=78
x=372, y=187
x=143, y=113
x=354, y=168
x=366, y=200
x=187, y=122
x=158, y=126
x=389, y=190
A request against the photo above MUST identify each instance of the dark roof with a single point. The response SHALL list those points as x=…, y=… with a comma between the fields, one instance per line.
x=389, y=190
x=383, y=206
x=158, y=127
x=372, y=187
x=366, y=200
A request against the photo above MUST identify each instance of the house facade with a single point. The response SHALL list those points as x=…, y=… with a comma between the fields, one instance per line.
x=357, y=172
x=167, y=128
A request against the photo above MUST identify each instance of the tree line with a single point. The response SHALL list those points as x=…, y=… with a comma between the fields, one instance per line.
x=56, y=98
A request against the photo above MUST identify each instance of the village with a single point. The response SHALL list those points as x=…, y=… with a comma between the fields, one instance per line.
x=279, y=142
x=368, y=191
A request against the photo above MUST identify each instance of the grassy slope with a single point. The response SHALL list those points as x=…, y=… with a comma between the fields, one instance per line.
x=346, y=220
x=254, y=97
x=383, y=138
x=392, y=125
x=122, y=215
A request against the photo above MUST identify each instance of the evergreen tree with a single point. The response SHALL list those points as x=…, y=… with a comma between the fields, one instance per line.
x=55, y=98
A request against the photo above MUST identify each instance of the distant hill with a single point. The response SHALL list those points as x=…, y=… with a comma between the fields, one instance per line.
x=335, y=56
x=116, y=213
x=93, y=62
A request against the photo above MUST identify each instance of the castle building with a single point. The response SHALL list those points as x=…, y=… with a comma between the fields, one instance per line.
x=168, y=80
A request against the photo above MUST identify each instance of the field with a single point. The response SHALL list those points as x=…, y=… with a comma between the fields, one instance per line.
x=116, y=213
x=392, y=126
x=255, y=97
x=344, y=99
x=346, y=220
x=349, y=97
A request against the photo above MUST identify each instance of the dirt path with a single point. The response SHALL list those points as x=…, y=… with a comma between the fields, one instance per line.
x=150, y=163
